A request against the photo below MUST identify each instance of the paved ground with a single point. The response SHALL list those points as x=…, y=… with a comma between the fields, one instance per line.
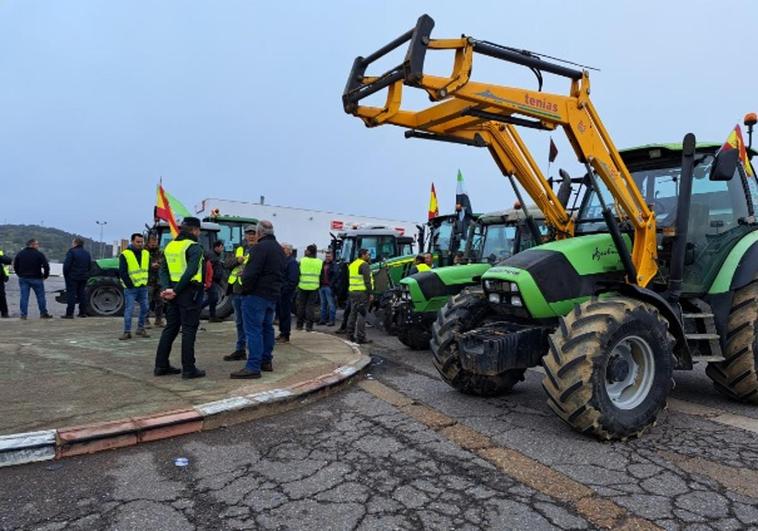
x=402, y=450
x=52, y=285
x=59, y=373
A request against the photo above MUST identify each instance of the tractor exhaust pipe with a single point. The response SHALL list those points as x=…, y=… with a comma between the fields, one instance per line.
x=679, y=247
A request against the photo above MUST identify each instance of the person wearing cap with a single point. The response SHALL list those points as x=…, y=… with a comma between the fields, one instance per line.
x=181, y=277
x=262, y=281
x=307, y=295
x=236, y=266
x=133, y=269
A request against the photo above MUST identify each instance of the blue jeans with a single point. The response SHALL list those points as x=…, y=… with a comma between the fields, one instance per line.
x=328, y=308
x=237, y=305
x=138, y=295
x=36, y=284
x=258, y=315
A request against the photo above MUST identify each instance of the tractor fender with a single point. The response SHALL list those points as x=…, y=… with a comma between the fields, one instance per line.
x=740, y=266
x=671, y=314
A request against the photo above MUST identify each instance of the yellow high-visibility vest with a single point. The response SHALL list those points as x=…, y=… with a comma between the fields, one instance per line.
x=137, y=271
x=310, y=273
x=5, y=267
x=357, y=282
x=422, y=268
x=176, y=260
x=236, y=275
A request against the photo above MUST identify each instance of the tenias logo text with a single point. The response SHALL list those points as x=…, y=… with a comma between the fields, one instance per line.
x=540, y=103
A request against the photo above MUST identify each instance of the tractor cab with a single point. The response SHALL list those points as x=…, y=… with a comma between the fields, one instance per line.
x=382, y=243
x=209, y=233
x=231, y=229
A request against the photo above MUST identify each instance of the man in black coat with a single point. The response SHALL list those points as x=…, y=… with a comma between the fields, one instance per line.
x=5, y=261
x=76, y=268
x=262, y=281
x=32, y=269
x=284, y=306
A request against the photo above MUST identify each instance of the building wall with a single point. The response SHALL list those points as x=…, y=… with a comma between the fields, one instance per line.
x=300, y=226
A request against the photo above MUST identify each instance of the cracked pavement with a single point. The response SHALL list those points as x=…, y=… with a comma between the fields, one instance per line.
x=362, y=460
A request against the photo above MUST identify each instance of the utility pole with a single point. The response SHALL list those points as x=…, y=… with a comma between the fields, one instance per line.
x=102, y=225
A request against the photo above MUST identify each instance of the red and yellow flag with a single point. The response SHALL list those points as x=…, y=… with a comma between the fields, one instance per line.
x=735, y=141
x=163, y=210
x=434, y=209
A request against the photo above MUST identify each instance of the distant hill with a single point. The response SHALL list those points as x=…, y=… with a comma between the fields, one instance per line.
x=53, y=242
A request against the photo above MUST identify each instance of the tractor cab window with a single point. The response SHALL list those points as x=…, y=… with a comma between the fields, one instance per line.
x=231, y=235
x=379, y=247
x=526, y=238
x=165, y=238
x=441, y=235
x=206, y=239
x=475, y=242
x=346, y=252
x=498, y=243
x=406, y=249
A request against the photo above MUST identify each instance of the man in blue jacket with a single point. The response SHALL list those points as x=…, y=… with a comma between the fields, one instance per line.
x=284, y=306
x=262, y=281
x=76, y=267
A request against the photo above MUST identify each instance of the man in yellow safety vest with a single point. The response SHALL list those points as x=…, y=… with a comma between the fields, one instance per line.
x=360, y=288
x=134, y=268
x=307, y=296
x=236, y=265
x=181, y=277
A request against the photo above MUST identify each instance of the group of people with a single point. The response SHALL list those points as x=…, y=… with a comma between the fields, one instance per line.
x=264, y=281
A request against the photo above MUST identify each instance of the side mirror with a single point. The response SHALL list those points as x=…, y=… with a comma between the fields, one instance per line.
x=725, y=165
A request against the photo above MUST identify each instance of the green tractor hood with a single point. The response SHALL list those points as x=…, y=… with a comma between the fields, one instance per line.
x=430, y=290
x=551, y=278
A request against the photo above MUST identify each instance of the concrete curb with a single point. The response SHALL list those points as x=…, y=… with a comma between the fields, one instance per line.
x=21, y=448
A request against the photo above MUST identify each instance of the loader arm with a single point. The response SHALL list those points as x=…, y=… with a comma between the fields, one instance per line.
x=486, y=115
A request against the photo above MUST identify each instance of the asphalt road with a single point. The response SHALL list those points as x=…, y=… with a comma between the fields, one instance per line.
x=402, y=450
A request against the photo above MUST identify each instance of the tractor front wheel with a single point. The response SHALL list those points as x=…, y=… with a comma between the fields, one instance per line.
x=609, y=367
x=737, y=375
x=415, y=337
x=464, y=312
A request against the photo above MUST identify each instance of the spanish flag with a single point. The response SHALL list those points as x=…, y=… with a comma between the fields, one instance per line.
x=735, y=141
x=168, y=208
x=434, y=209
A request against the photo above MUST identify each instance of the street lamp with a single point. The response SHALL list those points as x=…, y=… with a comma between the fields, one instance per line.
x=102, y=245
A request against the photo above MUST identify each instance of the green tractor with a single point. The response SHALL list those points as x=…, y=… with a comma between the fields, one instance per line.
x=493, y=237
x=104, y=292
x=608, y=346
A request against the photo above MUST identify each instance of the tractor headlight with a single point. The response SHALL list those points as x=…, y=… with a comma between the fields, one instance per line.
x=490, y=285
x=514, y=287
x=494, y=298
x=516, y=301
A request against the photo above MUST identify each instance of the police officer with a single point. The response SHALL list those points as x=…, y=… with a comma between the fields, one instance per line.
x=181, y=277
x=307, y=296
x=5, y=274
x=237, y=266
x=360, y=287
x=133, y=268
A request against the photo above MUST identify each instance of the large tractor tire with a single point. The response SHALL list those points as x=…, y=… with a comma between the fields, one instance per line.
x=608, y=370
x=464, y=312
x=105, y=297
x=737, y=375
x=414, y=337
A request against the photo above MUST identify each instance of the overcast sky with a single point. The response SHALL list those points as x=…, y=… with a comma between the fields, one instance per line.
x=237, y=99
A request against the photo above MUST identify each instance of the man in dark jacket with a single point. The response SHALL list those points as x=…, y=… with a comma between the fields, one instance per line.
x=181, y=276
x=284, y=306
x=32, y=269
x=212, y=294
x=76, y=267
x=5, y=261
x=262, y=281
x=327, y=290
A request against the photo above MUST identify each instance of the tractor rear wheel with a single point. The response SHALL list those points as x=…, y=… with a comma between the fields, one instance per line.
x=415, y=337
x=737, y=375
x=465, y=311
x=105, y=297
x=608, y=370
